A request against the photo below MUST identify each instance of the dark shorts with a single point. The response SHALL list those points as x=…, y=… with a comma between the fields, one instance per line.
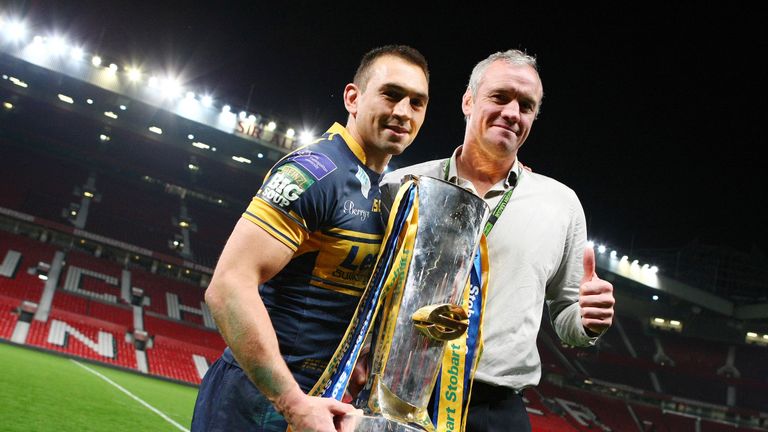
x=228, y=401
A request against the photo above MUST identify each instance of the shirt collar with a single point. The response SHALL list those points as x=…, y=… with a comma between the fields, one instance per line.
x=353, y=145
x=453, y=176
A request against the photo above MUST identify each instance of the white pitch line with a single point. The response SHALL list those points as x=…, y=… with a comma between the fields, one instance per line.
x=132, y=396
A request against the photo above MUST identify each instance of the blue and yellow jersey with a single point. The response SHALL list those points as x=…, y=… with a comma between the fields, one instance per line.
x=322, y=202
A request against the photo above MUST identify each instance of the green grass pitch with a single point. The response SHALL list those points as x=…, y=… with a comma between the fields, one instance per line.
x=46, y=392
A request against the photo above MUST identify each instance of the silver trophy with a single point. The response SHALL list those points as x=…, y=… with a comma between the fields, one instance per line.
x=406, y=356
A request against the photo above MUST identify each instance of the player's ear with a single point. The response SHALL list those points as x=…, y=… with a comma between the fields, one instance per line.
x=351, y=95
x=466, y=102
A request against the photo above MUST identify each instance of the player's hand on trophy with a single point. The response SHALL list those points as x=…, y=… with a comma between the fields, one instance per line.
x=595, y=298
x=306, y=413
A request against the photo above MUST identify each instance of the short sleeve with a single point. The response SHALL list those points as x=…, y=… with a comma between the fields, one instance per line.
x=295, y=197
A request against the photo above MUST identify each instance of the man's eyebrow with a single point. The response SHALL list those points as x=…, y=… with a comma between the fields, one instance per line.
x=405, y=90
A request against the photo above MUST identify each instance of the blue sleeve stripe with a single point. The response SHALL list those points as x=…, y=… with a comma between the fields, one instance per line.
x=352, y=238
x=273, y=230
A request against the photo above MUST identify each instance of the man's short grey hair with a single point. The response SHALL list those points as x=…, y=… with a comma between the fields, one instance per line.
x=515, y=57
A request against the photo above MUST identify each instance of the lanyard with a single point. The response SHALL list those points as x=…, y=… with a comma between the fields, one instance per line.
x=499, y=209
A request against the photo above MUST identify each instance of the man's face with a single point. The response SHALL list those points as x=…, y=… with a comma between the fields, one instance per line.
x=390, y=110
x=500, y=116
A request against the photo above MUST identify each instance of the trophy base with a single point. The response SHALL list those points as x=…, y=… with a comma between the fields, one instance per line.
x=368, y=423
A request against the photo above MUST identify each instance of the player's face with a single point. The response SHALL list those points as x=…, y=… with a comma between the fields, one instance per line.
x=500, y=116
x=390, y=110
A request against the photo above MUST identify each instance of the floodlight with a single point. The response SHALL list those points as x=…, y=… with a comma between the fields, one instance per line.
x=171, y=88
x=58, y=45
x=241, y=159
x=134, y=74
x=306, y=137
x=65, y=98
x=15, y=31
x=76, y=53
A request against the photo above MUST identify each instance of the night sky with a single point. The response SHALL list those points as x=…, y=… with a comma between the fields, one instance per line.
x=654, y=115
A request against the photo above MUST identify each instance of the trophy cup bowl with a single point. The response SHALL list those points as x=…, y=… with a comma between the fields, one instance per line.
x=410, y=335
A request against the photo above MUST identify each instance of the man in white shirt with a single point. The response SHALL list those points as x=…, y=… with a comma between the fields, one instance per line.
x=536, y=246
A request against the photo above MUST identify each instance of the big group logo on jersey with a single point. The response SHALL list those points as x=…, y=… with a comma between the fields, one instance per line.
x=286, y=185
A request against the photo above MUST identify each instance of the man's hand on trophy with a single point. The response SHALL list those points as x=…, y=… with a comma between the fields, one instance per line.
x=595, y=298
x=306, y=413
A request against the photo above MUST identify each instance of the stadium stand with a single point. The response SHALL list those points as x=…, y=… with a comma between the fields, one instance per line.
x=213, y=225
x=113, y=313
x=184, y=332
x=86, y=324
x=174, y=359
x=696, y=356
x=8, y=316
x=156, y=289
x=84, y=337
x=18, y=282
x=584, y=411
x=752, y=362
x=90, y=276
x=37, y=184
x=654, y=419
x=641, y=342
x=133, y=212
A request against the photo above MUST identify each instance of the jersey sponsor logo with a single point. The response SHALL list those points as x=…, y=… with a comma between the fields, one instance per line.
x=285, y=186
x=365, y=181
x=317, y=164
x=356, y=267
x=350, y=209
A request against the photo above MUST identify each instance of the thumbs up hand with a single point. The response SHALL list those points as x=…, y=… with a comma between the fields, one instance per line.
x=595, y=298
